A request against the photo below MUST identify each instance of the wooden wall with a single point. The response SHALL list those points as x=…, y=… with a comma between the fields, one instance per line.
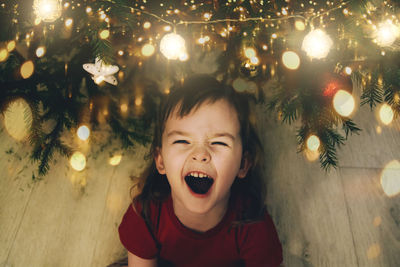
x=341, y=218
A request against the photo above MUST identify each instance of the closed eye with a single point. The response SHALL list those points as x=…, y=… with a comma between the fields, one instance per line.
x=219, y=143
x=181, y=142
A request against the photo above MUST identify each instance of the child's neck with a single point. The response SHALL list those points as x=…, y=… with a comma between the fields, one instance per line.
x=200, y=222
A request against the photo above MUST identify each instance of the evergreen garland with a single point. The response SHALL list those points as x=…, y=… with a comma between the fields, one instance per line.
x=62, y=95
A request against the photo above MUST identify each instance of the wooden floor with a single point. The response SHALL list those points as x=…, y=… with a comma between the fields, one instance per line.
x=341, y=218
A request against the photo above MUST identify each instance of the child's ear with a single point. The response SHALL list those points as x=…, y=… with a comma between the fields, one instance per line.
x=159, y=161
x=245, y=165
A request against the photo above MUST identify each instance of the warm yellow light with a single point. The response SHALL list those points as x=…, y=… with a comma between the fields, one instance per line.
x=88, y=9
x=37, y=21
x=386, y=114
x=148, y=50
x=115, y=160
x=265, y=47
x=387, y=33
x=11, y=46
x=167, y=28
x=172, y=46
x=18, y=119
x=313, y=143
x=120, y=52
x=291, y=60
x=27, y=69
x=124, y=107
x=104, y=34
x=40, y=51
x=299, y=24
x=274, y=36
x=83, y=132
x=317, y=44
x=138, y=101
x=47, y=10
x=344, y=103
x=78, y=161
x=390, y=178
x=345, y=11
x=348, y=70
x=250, y=52
x=3, y=54
x=147, y=25
x=68, y=22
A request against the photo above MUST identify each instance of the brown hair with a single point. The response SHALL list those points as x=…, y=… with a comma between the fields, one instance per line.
x=188, y=96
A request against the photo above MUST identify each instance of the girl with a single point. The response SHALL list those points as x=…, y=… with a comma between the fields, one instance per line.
x=202, y=200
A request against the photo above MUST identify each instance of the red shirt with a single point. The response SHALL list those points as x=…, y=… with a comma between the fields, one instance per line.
x=254, y=244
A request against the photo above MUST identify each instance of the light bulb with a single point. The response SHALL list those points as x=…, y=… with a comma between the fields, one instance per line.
x=172, y=46
x=317, y=44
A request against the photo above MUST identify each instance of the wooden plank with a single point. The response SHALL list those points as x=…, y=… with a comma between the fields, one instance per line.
x=374, y=217
x=15, y=189
x=306, y=204
x=376, y=145
x=63, y=216
x=108, y=247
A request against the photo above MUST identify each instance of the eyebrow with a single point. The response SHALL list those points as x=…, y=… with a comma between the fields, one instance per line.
x=223, y=134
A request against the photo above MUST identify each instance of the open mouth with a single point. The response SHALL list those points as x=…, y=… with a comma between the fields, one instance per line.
x=199, y=183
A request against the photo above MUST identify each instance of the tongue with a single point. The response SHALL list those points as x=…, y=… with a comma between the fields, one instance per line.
x=199, y=185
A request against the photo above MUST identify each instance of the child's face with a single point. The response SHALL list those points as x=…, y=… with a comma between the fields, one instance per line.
x=205, y=142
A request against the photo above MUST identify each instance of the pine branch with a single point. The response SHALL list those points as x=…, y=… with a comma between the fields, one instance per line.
x=373, y=92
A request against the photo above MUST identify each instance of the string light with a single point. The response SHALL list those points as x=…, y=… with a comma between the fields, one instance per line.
x=47, y=10
x=172, y=46
x=386, y=33
x=317, y=44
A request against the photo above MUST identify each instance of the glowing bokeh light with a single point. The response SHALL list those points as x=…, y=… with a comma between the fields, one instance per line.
x=115, y=160
x=172, y=46
x=11, y=46
x=124, y=107
x=78, y=161
x=390, y=178
x=47, y=10
x=300, y=26
x=3, y=54
x=374, y=251
x=68, y=22
x=146, y=25
x=250, y=52
x=291, y=60
x=317, y=44
x=104, y=34
x=18, y=119
x=27, y=69
x=148, y=50
x=344, y=103
x=83, y=132
x=40, y=51
x=386, y=114
x=313, y=143
x=386, y=33
x=348, y=70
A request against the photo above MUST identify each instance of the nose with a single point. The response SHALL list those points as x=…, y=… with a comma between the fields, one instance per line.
x=201, y=155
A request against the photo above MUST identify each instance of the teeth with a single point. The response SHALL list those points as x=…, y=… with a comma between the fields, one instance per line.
x=197, y=174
